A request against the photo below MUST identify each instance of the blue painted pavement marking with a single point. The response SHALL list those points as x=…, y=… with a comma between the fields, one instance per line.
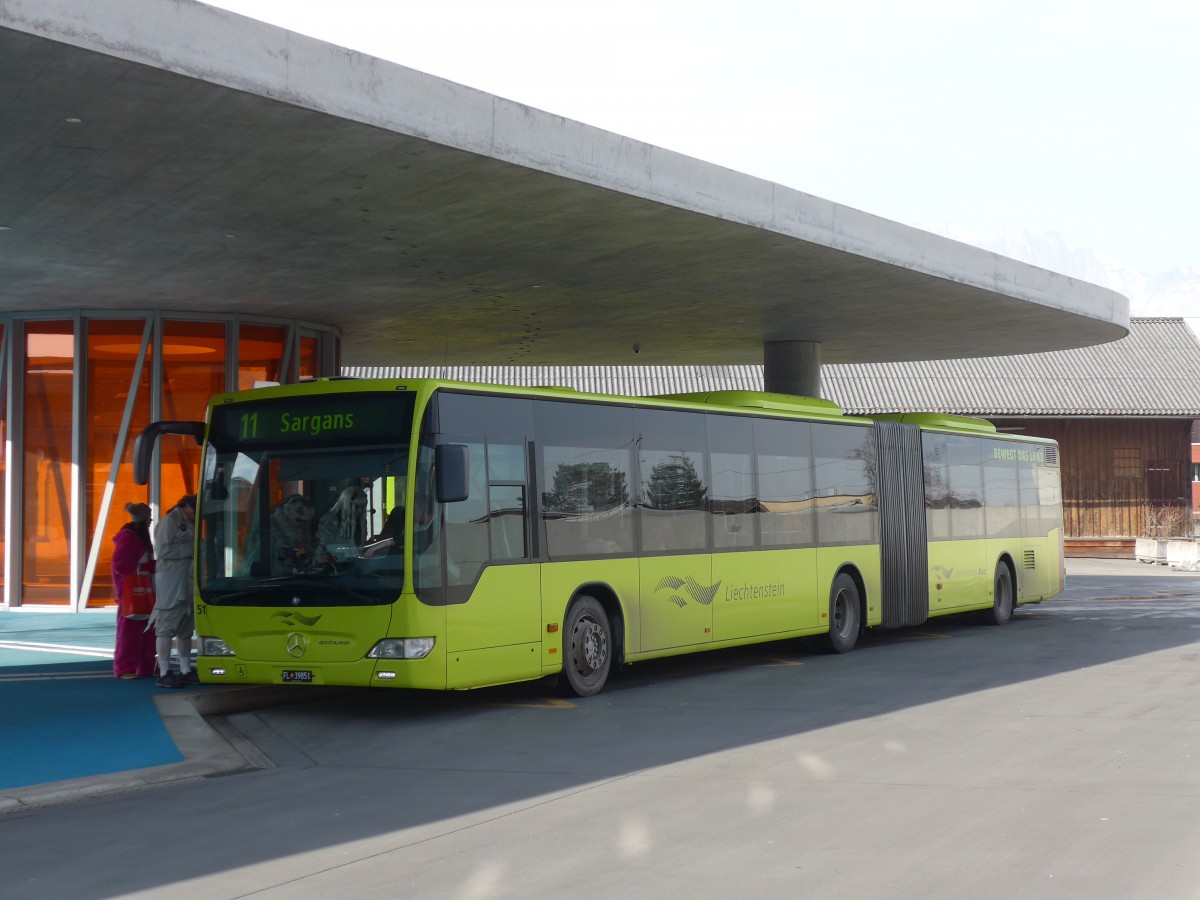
x=62, y=713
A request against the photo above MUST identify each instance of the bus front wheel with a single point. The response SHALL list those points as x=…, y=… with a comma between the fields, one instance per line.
x=845, y=615
x=587, y=649
x=1002, y=596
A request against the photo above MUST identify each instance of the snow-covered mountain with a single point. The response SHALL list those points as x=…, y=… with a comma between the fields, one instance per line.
x=1174, y=293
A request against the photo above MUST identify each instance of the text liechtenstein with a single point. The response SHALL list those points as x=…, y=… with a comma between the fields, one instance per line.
x=749, y=591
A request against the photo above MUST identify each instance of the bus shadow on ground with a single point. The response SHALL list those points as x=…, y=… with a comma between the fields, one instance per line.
x=661, y=711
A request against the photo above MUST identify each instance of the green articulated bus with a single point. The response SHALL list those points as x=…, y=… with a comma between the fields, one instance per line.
x=443, y=535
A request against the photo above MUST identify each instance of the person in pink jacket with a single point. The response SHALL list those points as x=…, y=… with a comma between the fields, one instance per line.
x=134, y=653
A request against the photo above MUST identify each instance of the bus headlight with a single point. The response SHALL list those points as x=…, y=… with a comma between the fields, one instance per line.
x=213, y=646
x=401, y=648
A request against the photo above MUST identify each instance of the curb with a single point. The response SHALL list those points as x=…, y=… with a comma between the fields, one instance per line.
x=195, y=722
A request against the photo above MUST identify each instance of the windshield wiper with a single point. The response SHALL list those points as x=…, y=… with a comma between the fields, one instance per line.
x=267, y=585
x=221, y=596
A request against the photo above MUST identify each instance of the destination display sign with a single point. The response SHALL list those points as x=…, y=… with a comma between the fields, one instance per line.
x=313, y=420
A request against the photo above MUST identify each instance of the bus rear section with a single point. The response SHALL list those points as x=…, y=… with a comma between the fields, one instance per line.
x=987, y=533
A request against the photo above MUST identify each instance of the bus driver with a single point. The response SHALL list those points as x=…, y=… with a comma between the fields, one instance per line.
x=292, y=536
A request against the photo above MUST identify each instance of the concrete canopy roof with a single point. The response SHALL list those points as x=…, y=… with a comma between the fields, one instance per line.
x=164, y=154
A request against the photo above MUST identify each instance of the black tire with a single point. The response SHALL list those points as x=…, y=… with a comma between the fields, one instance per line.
x=1002, y=596
x=845, y=615
x=587, y=649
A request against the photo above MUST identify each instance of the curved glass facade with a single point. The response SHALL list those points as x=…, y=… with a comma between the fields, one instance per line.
x=76, y=388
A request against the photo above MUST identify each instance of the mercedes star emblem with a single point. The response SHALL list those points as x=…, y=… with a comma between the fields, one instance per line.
x=296, y=644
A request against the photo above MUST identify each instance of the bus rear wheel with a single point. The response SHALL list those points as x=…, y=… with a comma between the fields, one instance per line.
x=587, y=649
x=845, y=615
x=1002, y=596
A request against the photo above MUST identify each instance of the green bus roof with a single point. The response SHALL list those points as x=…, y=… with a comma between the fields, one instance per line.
x=943, y=421
x=807, y=406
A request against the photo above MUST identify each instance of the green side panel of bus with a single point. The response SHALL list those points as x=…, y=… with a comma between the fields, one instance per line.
x=676, y=601
x=765, y=592
x=669, y=601
x=960, y=574
x=1039, y=569
x=492, y=665
x=495, y=637
x=504, y=609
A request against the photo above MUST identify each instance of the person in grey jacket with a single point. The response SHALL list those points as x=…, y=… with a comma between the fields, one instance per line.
x=173, y=619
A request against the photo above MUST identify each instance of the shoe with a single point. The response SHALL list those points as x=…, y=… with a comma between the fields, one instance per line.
x=127, y=675
x=191, y=677
x=170, y=680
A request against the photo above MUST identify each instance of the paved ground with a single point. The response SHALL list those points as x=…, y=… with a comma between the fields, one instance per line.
x=1055, y=757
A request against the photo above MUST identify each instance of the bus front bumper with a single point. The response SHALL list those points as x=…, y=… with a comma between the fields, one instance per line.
x=423, y=673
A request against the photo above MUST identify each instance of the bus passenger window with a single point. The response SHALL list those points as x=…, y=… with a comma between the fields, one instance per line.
x=733, y=502
x=673, y=485
x=785, y=493
x=586, y=478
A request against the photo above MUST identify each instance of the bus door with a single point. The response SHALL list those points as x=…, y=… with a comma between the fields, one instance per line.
x=493, y=592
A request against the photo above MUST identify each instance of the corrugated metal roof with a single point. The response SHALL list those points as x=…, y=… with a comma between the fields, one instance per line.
x=637, y=381
x=1155, y=371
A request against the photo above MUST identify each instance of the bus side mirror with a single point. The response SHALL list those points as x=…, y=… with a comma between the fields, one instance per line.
x=452, y=472
x=143, y=446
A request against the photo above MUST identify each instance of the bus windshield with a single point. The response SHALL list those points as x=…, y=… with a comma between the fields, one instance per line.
x=302, y=521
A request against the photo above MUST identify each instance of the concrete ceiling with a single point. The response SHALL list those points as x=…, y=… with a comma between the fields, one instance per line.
x=159, y=154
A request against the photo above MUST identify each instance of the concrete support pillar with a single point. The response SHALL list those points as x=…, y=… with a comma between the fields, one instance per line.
x=792, y=367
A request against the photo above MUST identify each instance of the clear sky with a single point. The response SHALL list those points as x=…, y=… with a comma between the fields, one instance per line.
x=1080, y=117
